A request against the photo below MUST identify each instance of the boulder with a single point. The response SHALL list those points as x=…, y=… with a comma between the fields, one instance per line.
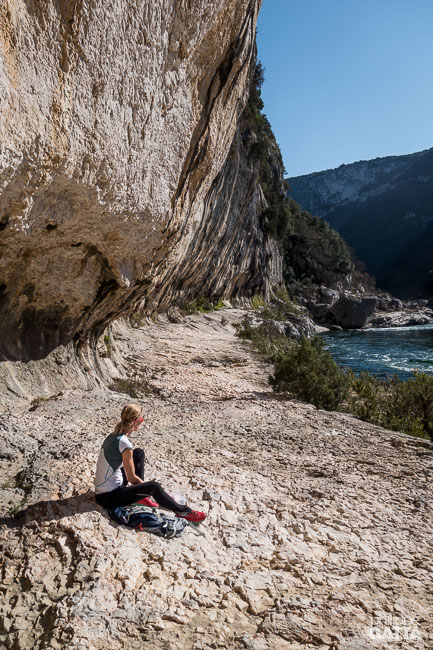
x=328, y=296
x=297, y=326
x=353, y=312
x=396, y=304
x=293, y=328
x=319, y=311
x=384, y=303
x=401, y=319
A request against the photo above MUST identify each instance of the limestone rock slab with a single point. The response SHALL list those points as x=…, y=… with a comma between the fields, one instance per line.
x=117, y=118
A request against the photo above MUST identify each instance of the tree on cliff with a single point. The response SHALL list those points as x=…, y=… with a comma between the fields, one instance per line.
x=313, y=253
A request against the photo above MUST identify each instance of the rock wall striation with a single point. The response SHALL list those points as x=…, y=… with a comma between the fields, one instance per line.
x=117, y=120
x=231, y=253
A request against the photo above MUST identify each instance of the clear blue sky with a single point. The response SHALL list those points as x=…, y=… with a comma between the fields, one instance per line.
x=347, y=80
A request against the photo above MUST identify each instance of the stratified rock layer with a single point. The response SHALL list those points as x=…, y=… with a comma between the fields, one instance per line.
x=117, y=118
x=231, y=253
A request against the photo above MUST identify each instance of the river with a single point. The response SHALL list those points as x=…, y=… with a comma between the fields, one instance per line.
x=394, y=350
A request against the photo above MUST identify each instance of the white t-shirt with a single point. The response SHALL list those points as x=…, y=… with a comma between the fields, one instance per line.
x=108, y=468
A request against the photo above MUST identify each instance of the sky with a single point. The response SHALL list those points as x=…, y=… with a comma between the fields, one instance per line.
x=347, y=80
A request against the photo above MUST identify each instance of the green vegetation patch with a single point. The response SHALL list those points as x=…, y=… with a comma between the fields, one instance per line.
x=257, y=301
x=107, y=342
x=308, y=371
x=267, y=340
x=266, y=335
x=395, y=404
x=265, y=154
x=313, y=253
x=201, y=305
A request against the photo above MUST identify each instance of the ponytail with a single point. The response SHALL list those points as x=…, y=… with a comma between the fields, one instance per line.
x=130, y=412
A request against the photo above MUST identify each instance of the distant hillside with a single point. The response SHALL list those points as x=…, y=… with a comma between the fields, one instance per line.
x=384, y=210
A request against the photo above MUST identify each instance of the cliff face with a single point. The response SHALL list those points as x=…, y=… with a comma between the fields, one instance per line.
x=115, y=181
x=231, y=254
x=384, y=209
x=321, y=191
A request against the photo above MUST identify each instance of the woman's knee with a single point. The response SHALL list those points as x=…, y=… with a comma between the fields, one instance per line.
x=153, y=485
x=138, y=454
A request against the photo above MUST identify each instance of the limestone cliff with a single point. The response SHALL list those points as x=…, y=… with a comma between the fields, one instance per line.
x=117, y=118
x=232, y=253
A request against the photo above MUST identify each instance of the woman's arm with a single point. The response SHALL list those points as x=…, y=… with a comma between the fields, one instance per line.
x=128, y=464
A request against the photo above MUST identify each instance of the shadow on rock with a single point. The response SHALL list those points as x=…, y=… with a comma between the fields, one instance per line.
x=53, y=510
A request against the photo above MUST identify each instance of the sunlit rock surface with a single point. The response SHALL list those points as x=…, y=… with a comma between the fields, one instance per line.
x=318, y=529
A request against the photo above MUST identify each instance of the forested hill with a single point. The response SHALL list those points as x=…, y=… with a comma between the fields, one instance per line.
x=384, y=210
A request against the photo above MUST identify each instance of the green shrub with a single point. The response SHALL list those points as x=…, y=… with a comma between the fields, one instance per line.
x=414, y=399
x=107, y=345
x=202, y=305
x=257, y=301
x=396, y=404
x=265, y=337
x=308, y=372
x=218, y=305
x=281, y=309
x=366, y=397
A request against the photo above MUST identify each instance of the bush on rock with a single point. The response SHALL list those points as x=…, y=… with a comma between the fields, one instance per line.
x=308, y=371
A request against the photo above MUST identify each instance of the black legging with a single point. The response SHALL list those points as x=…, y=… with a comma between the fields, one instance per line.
x=124, y=496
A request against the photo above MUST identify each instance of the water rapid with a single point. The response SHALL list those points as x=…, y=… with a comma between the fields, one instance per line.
x=383, y=352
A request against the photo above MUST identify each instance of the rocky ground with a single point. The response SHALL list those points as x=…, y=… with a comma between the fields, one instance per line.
x=319, y=526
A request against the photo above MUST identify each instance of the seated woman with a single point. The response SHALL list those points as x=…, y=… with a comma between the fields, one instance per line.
x=118, y=463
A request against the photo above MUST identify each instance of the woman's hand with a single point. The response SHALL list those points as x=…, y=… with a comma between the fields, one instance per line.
x=128, y=465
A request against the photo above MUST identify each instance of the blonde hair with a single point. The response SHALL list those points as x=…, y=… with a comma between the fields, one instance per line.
x=130, y=412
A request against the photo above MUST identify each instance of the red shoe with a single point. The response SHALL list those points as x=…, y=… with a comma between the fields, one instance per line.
x=147, y=501
x=194, y=516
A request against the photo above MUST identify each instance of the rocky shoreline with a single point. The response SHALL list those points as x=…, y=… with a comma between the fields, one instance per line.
x=343, y=310
x=333, y=309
